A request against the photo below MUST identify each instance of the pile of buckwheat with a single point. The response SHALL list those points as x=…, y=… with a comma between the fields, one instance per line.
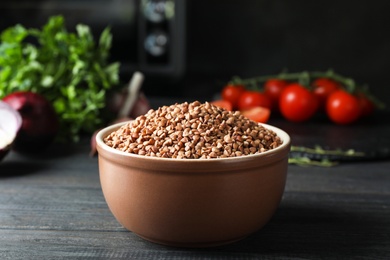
x=191, y=131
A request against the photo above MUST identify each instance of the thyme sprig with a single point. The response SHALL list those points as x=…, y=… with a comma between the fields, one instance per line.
x=304, y=159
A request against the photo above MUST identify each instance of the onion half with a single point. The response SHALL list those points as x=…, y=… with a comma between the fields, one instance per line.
x=10, y=123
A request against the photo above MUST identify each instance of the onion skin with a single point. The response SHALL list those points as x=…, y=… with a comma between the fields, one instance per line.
x=40, y=123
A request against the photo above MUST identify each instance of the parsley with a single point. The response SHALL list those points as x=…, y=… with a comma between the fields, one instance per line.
x=70, y=69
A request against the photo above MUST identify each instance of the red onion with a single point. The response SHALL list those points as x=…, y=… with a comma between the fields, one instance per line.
x=141, y=107
x=10, y=123
x=130, y=102
x=40, y=123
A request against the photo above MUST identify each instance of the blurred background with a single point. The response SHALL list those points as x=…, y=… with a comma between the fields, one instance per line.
x=190, y=49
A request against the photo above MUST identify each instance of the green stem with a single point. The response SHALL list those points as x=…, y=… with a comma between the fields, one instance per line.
x=304, y=77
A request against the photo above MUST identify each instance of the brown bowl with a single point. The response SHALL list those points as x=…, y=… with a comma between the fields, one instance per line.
x=192, y=202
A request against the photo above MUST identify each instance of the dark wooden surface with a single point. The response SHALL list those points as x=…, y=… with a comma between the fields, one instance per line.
x=52, y=207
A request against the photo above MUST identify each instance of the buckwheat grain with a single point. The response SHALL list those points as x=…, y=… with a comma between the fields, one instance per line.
x=191, y=131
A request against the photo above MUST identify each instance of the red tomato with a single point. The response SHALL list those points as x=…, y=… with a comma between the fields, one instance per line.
x=223, y=104
x=297, y=104
x=342, y=107
x=258, y=114
x=323, y=87
x=232, y=94
x=250, y=99
x=366, y=105
x=273, y=88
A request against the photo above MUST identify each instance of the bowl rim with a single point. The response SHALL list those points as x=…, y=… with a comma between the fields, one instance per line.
x=284, y=136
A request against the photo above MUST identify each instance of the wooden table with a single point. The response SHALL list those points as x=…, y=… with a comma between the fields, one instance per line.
x=52, y=207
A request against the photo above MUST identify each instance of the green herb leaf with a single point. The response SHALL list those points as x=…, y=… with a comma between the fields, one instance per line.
x=69, y=68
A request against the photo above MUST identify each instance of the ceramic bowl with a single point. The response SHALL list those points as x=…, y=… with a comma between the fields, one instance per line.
x=192, y=202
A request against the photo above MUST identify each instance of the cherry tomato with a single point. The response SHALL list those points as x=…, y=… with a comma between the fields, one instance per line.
x=366, y=105
x=297, y=104
x=250, y=99
x=273, y=88
x=232, y=94
x=342, y=107
x=258, y=114
x=323, y=87
x=223, y=104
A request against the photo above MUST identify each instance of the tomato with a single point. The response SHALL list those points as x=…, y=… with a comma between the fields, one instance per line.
x=323, y=87
x=232, y=94
x=366, y=105
x=273, y=88
x=258, y=114
x=250, y=99
x=223, y=104
x=297, y=104
x=342, y=107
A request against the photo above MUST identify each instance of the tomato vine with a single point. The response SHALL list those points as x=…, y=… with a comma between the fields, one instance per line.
x=305, y=78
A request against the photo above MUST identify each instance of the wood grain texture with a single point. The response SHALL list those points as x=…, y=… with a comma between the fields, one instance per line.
x=52, y=207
